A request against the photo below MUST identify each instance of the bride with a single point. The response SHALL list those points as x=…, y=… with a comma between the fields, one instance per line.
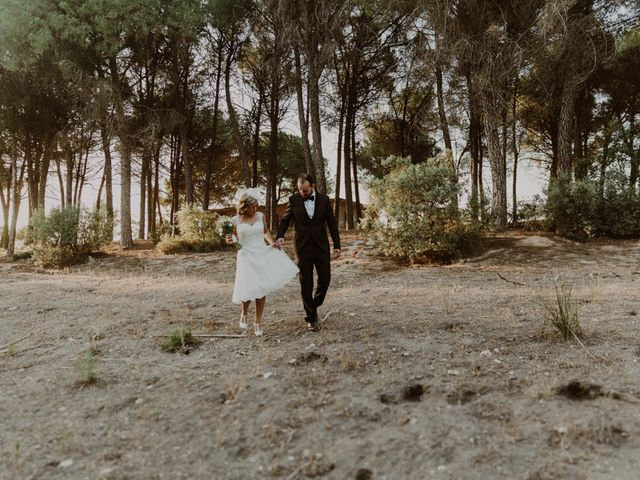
x=260, y=268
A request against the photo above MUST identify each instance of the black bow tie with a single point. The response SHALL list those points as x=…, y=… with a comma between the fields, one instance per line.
x=310, y=198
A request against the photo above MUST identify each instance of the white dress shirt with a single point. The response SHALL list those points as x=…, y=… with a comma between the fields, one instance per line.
x=310, y=206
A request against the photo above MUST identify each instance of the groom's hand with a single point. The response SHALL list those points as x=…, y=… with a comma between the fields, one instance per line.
x=279, y=243
x=336, y=253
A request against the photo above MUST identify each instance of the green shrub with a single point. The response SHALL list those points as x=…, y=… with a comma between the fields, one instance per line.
x=196, y=224
x=572, y=208
x=531, y=214
x=560, y=311
x=199, y=232
x=157, y=233
x=180, y=340
x=584, y=209
x=413, y=211
x=67, y=235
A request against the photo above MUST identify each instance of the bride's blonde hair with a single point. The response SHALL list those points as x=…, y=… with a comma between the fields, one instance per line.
x=245, y=202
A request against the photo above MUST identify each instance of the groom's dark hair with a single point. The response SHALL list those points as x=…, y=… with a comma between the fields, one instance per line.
x=306, y=177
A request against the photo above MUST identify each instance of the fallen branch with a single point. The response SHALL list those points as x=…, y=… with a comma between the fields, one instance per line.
x=217, y=335
x=588, y=352
x=4, y=347
x=510, y=281
x=7, y=350
x=209, y=335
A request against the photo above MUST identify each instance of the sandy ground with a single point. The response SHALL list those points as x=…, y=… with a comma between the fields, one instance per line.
x=438, y=372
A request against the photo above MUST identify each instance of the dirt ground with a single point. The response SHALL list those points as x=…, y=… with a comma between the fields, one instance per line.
x=422, y=372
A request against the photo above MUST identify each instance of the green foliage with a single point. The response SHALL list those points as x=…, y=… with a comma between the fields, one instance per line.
x=583, y=209
x=531, y=214
x=157, y=233
x=179, y=340
x=196, y=224
x=560, y=311
x=86, y=369
x=413, y=211
x=572, y=207
x=67, y=235
x=199, y=232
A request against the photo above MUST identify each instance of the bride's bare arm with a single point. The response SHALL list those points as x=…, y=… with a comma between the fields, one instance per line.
x=267, y=236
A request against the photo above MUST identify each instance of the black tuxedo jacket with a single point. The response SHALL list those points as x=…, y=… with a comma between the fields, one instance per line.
x=310, y=233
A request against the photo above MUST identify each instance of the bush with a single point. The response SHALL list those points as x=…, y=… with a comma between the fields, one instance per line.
x=67, y=235
x=413, y=211
x=531, y=213
x=157, y=233
x=199, y=232
x=572, y=208
x=583, y=209
x=197, y=225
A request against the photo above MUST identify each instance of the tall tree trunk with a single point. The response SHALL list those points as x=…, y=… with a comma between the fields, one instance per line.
x=474, y=147
x=565, y=127
x=108, y=171
x=6, y=203
x=151, y=216
x=144, y=167
x=186, y=161
x=60, y=183
x=498, y=170
x=339, y=160
x=44, y=170
x=175, y=170
x=348, y=193
x=272, y=165
x=211, y=156
x=16, y=190
x=256, y=145
x=126, y=237
x=156, y=183
x=99, y=195
x=514, y=150
x=354, y=164
x=316, y=131
x=83, y=174
x=235, y=127
x=304, y=126
x=444, y=126
x=32, y=182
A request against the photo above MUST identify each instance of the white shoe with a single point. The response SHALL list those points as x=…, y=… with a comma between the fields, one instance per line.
x=243, y=322
x=257, y=329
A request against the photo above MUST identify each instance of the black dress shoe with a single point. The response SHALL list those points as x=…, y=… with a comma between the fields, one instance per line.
x=313, y=326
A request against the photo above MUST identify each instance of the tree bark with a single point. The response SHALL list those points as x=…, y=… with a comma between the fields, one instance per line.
x=108, y=171
x=304, y=127
x=214, y=135
x=498, y=170
x=16, y=190
x=126, y=238
x=235, y=127
x=339, y=158
x=565, y=127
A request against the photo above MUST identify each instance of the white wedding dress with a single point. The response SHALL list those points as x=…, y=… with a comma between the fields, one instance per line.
x=260, y=268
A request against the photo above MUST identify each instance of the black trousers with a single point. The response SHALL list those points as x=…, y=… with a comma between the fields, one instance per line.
x=321, y=262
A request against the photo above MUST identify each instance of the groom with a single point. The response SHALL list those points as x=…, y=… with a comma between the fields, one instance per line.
x=311, y=214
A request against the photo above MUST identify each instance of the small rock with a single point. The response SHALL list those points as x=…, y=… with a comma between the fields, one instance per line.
x=267, y=375
x=65, y=463
x=453, y=372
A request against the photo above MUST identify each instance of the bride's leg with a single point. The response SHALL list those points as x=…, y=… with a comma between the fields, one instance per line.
x=260, y=309
x=243, y=315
